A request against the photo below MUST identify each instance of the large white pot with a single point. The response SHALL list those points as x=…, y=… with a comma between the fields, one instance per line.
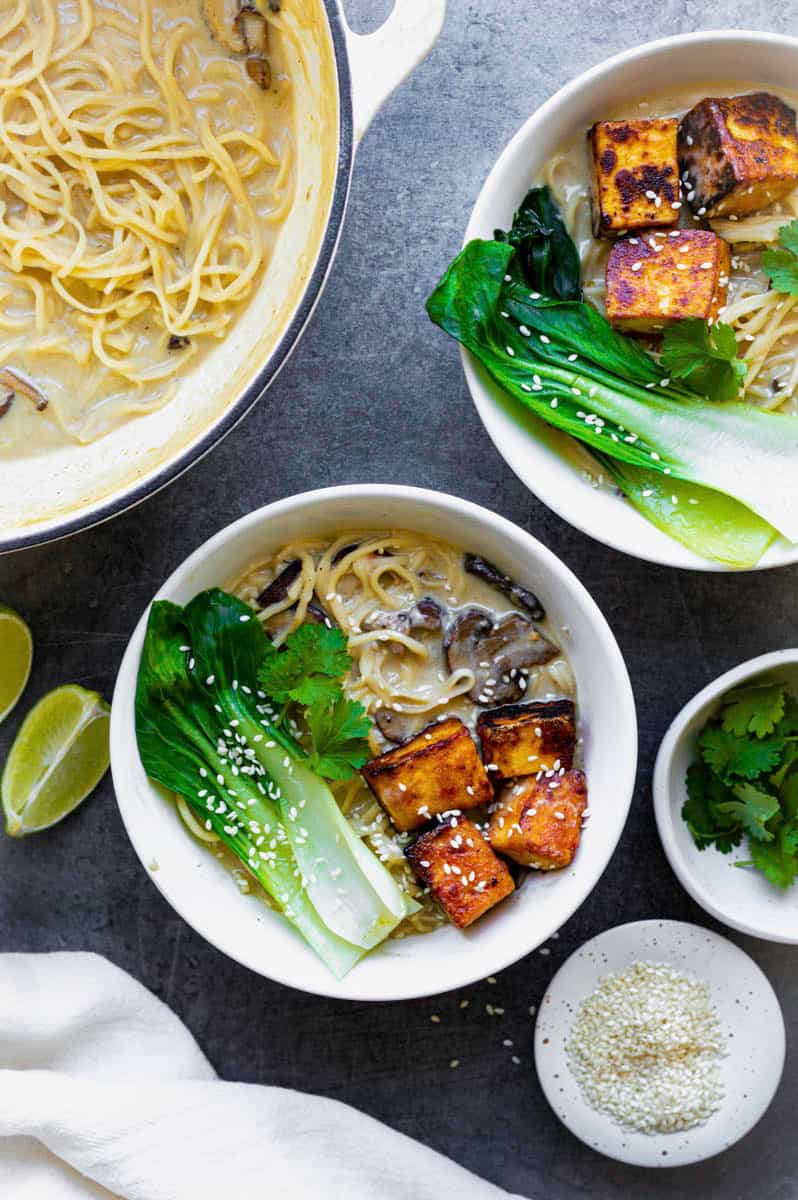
x=202, y=890
x=48, y=495
x=716, y=62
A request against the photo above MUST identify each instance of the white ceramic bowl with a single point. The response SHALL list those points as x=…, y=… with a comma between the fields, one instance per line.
x=740, y=898
x=748, y=1010
x=200, y=888
x=543, y=458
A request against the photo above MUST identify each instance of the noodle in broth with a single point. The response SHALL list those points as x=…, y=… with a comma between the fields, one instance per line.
x=142, y=177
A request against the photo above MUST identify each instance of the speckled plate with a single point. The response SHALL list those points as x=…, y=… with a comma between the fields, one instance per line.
x=748, y=1010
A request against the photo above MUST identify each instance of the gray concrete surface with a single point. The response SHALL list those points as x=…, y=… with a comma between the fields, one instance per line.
x=374, y=393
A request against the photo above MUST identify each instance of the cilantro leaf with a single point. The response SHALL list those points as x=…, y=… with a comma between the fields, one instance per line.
x=705, y=357
x=756, y=710
x=703, y=814
x=781, y=264
x=339, y=734
x=753, y=808
x=777, y=860
x=727, y=754
x=307, y=669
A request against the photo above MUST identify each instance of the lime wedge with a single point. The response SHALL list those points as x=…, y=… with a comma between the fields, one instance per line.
x=59, y=755
x=16, y=656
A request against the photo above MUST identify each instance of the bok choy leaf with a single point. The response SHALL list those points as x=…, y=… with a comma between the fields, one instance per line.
x=564, y=362
x=206, y=731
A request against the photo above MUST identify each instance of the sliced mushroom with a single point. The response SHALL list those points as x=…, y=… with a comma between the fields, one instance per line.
x=500, y=653
x=425, y=614
x=21, y=383
x=476, y=565
x=6, y=402
x=342, y=553
x=252, y=28
x=397, y=726
x=316, y=614
x=221, y=17
x=277, y=590
x=259, y=70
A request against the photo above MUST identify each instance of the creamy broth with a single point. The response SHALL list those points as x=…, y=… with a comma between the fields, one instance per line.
x=766, y=323
x=144, y=177
x=353, y=577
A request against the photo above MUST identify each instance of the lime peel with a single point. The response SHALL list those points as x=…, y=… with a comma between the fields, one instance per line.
x=58, y=757
x=16, y=658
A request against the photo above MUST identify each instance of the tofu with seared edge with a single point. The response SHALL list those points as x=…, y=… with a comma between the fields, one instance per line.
x=538, y=821
x=659, y=279
x=635, y=175
x=461, y=871
x=521, y=739
x=435, y=771
x=737, y=154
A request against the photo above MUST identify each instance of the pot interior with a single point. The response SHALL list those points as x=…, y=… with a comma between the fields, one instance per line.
x=54, y=491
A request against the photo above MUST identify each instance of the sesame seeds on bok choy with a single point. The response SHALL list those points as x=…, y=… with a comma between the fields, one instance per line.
x=218, y=716
x=734, y=465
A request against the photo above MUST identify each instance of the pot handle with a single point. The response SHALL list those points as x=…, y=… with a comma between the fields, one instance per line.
x=379, y=61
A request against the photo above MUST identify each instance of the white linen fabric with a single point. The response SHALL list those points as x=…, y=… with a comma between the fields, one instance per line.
x=105, y=1094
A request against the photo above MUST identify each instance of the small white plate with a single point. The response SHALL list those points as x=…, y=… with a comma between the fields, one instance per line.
x=749, y=1013
x=740, y=897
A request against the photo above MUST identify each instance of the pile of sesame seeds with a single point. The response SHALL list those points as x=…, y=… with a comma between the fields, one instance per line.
x=645, y=1049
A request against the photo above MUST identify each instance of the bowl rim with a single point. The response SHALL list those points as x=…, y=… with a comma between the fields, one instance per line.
x=469, y=967
x=663, y=807
x=601, y=951
x=679, y=557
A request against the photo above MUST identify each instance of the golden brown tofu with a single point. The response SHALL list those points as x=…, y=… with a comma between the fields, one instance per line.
x=635, y=175
x=522, y=739
x=538, y=822
x=656, y=280
x=461, y=871
x=738, y=154
x=436, y=771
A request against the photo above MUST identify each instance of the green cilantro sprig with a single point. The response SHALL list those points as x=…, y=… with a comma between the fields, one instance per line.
x=705, y=357
x=307, y=671
x=745, y=781
x=780, y=264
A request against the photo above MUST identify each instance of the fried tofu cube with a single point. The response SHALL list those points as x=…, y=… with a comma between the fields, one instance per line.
x=538, y=821
x=436, y=771
x=738, y=154
x=522, y=739
x=461, y=871
x=657, y=280
x=635, y=175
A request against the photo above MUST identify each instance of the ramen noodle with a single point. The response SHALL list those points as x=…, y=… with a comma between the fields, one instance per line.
x=143, y=177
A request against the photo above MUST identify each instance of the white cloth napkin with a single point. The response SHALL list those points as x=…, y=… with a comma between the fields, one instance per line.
x=104, y=1093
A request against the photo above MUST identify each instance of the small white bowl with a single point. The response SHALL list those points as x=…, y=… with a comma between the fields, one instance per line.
x=543, y=458
x=747, y=1008
x=741, y=898
x=202, y=890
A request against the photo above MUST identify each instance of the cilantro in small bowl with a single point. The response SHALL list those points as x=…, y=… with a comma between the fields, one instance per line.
x=726, y=796
x=743, y=783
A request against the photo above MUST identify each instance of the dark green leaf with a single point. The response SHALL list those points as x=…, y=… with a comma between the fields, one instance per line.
x=339, y=734
x=781, y=265
x=703, y=814
x=777, y=860
x=307, y=669
x=546, y=258
x=705, y=357
x=756, y=710
x=753, y=808
x=727, y=754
